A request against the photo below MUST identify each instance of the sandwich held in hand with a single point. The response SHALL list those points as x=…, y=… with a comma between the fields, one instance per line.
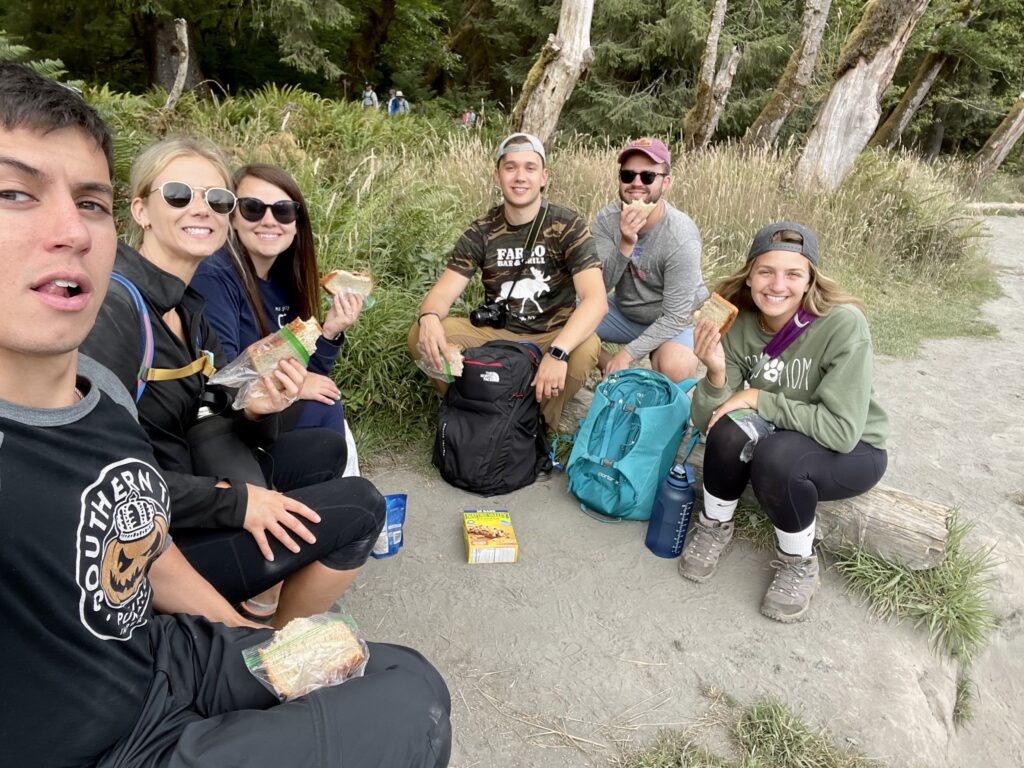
x=719, y=311
x=308, y=654
x=297, y=340
x=339, y=281
x=454, y=358
x=640, y=205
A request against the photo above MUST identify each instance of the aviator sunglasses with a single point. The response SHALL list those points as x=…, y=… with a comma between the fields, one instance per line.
x=646, y=177
x=178, y=194
x=252, y=209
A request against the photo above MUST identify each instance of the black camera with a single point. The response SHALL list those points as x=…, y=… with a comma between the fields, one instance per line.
x=494, y=314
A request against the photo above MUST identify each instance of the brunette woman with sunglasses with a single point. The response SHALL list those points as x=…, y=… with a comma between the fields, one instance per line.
x=265, y=277
x=310, y=528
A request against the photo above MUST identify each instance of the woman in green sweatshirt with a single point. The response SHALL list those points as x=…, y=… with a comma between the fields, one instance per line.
x=787, y=405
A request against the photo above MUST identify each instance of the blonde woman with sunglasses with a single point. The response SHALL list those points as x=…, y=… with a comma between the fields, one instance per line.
x=251, y=507
x=265, y=277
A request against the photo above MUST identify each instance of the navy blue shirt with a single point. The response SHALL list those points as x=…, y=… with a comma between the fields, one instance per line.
x=228, y=311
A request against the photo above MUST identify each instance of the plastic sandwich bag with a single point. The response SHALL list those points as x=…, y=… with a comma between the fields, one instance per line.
x=307, y=654
x=754, y=426
x=243, y=375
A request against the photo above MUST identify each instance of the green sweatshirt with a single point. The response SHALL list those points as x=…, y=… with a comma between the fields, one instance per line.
x=820, y=386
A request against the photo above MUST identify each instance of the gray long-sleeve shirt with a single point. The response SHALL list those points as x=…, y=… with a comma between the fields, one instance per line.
x=660, y=285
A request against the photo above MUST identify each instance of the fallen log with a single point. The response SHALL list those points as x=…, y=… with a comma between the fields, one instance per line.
x=886, y=522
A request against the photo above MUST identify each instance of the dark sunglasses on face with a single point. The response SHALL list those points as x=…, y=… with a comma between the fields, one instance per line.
x=646, y=177
x=252, y=209
x=178, y=194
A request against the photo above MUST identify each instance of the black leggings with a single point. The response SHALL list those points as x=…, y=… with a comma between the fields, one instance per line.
x=351, y=516
x=306, y=465
x=790, y=472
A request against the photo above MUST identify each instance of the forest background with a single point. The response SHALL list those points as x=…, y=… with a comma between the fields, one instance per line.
x=451, y=55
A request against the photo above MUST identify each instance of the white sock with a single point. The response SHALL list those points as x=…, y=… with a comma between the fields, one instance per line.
x=799, y=544
x=717, y=509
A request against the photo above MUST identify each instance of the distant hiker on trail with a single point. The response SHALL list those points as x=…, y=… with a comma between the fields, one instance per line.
x=651, y=266
x=807, y=429
x=370, y=98
x=528, y=297
x=397, y=105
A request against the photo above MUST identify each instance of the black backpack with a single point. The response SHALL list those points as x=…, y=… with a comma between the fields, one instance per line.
x=491, y=437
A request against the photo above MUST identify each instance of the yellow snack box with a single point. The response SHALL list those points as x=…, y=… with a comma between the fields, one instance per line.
x=490, y=537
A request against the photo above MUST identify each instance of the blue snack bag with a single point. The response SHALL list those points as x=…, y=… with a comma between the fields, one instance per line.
x=390, y=539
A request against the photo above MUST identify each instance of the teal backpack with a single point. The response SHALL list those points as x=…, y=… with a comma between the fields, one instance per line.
x=627, y=442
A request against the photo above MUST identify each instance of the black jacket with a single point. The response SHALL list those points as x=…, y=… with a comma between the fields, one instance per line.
x=168, y=409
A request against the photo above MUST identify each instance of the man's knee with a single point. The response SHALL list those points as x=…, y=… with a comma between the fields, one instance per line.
x=676, y=361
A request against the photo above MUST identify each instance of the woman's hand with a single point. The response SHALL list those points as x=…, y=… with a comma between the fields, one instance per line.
x=707, y=346
x=276, y=392
x=745, y=398
x=344, y=312
x=320, y=389
x=271, y=512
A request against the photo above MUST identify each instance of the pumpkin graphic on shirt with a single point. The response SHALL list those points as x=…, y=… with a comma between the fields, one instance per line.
x=123, y=529
x=141, y=533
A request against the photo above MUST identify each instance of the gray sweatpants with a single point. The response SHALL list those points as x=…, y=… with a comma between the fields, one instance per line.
x=206, y=709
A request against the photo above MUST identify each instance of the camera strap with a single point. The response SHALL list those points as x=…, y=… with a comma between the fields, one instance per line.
x=531, y=242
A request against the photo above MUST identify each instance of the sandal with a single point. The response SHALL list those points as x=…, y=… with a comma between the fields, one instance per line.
x=257, y=611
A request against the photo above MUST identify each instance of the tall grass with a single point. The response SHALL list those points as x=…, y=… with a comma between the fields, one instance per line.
x=392, y=196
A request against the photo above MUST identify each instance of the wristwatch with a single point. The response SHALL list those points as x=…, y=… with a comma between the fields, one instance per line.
x=558, y=353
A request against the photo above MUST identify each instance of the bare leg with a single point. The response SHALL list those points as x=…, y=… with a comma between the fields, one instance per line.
x=312, y=590
x=267, y=597
x=675, y=361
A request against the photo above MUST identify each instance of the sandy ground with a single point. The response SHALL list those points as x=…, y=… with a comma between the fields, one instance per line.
x=590, y=644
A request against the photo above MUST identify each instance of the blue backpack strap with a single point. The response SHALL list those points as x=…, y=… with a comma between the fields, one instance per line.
x=145, y=332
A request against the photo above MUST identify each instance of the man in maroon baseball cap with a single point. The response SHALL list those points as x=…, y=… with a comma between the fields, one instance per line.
x=650, y=256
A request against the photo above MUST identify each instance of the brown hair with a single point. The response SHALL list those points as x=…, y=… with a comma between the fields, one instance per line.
x=822, y=295
x=295, y=267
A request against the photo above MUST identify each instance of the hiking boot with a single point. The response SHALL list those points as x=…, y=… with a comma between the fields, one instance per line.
x=708, y=542
x=795, y=581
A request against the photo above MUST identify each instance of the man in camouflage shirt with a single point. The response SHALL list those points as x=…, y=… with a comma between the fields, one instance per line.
x=538, y=290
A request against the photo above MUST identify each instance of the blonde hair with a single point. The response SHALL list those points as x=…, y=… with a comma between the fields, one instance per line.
x=822, y=295
x=147, y=167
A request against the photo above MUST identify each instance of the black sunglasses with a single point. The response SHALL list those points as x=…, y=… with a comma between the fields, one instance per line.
x=178, y=194
x=646, y=177
x=252, y=209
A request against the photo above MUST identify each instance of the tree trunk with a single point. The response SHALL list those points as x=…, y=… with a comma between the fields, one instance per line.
x=888, y=136
x=550, y=82
x=700, y=122
x=937, y=133
x=931, y=68
x=851, y=112
x=365, y=51
x=167, y=54
x=181, y=34
x=999, y=143
x=794, y=81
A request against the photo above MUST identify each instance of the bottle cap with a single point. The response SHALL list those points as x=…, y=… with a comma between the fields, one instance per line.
x=678, y=472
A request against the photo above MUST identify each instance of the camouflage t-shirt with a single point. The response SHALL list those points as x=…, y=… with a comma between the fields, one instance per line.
x=544, y=296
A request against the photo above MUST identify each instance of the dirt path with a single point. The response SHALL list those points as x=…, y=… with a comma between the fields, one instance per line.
x=590, y=643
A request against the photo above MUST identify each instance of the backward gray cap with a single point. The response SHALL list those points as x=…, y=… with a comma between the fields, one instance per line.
x=521, y=142
x=763, y=241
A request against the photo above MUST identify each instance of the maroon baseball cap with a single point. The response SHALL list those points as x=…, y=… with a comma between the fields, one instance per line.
x=653, y=148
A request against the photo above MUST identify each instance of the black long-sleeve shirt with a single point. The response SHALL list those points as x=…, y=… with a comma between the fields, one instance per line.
x=168, y=409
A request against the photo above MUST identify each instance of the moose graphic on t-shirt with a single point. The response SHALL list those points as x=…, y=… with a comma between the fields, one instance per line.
x=527, y=290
